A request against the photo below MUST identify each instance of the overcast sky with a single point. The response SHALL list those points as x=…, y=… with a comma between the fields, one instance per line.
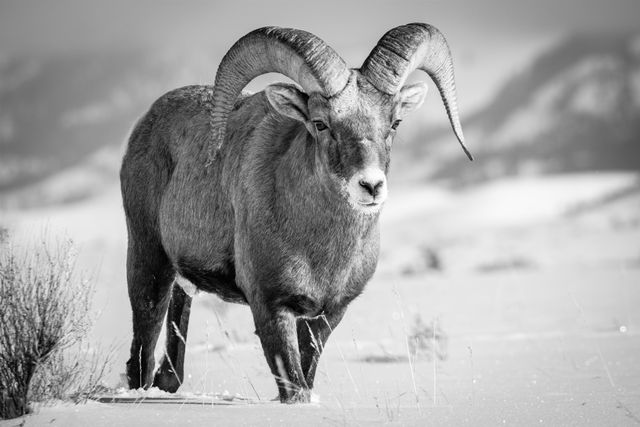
x=51, y=26
x=490, y=39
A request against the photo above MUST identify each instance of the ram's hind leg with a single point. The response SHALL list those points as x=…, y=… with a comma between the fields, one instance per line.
x=170, y=375
x=149, y=276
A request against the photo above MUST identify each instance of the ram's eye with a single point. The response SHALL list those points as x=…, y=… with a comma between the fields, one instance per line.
x=395, y=124
x=319, y=124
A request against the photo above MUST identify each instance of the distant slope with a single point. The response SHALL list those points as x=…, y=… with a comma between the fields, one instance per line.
x=57, y=112
x=576, y=108
x=88, y=178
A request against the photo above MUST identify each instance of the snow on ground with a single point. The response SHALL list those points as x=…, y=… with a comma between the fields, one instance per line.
x=531, y=286
x=506, y=202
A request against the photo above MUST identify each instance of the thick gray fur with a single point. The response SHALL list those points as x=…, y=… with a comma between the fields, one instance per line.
x=268, y=222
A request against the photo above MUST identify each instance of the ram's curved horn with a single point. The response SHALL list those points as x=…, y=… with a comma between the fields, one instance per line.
x=297, y=54
x=406, y=48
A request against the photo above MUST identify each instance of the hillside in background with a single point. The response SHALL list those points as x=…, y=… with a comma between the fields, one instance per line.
x=63, y=119
x=72, y=113
x=575, y=108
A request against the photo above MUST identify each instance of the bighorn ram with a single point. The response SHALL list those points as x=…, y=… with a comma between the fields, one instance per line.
x=270, y=200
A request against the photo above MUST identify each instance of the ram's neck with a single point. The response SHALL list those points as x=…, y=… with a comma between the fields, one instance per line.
x=314, y=198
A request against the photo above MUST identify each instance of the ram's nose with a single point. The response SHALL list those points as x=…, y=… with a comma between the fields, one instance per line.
x=368, y=189
x=373, y=183
x=372, y=186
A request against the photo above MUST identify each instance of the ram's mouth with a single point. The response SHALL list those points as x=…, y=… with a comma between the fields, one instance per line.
x=369, y=206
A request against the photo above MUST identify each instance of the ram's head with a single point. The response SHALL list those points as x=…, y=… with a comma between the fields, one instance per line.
x=351, y=114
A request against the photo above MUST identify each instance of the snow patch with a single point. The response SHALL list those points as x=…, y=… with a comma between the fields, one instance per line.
x=156, y=394
x=531, y=199
x=188, y=287
x=506, y=202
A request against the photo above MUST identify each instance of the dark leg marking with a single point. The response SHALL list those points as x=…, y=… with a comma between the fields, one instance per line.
x=277, y=332
x=149, y=276
x=312, y=337
x=170, y=374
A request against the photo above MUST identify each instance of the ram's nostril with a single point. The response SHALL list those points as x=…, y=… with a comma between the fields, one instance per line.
x=373, y=188
x=367, y=186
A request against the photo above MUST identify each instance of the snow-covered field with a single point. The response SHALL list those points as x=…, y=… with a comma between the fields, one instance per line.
x=526, y=289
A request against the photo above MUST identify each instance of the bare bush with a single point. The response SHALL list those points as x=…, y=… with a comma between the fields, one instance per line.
x=428, y=340
x=74, y=373
x=45, y=311
x=429, y=259
x=512, y=262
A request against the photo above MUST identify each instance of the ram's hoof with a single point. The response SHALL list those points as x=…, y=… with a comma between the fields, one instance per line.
x=165, y=379
x=300, y=396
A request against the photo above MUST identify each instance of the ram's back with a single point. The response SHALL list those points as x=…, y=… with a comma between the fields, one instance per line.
x=176, y=196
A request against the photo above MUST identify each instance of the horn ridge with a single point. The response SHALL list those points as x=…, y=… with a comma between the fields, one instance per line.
x=406, y=48
x=299, y=55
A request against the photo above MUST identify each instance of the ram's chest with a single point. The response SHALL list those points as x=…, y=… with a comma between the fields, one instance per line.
x=303, y=256
x=309, y=286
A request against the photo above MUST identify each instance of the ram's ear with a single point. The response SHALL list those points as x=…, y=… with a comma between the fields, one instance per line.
x=288, y=100
x=411, y=97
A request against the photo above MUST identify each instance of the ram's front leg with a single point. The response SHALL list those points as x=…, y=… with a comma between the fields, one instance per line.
x=277, y=332
x=312, y=337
